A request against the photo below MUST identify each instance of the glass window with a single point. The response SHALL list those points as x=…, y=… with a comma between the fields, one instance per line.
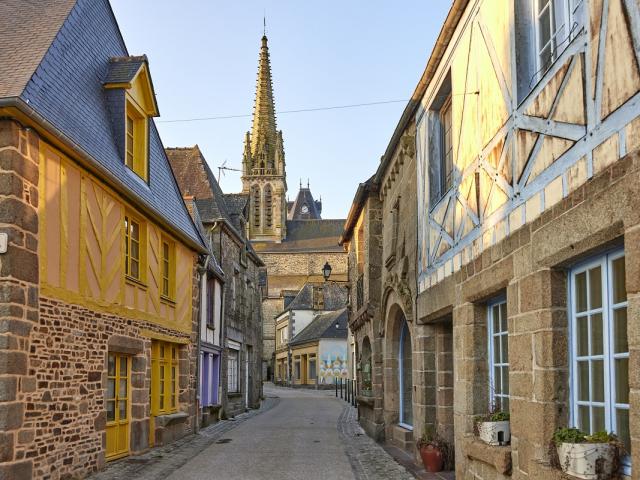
x=405, y=375
x=132, y=260
x=136, y=140
x=167, y=266
x=164, y=377
x=600, y=351
x=211, y=291
x=312, y=368
x=232, y=371
x=447, y=145
x=554, y=30
x=498, y=355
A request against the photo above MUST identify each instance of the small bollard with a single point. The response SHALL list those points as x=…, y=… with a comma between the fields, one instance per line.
x=341, y=389
x=335, y=382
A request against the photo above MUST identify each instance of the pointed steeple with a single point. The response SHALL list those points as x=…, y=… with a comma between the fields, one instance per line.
x=263, y=131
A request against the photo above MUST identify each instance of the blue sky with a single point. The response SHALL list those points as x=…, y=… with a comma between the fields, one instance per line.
x=203, y=56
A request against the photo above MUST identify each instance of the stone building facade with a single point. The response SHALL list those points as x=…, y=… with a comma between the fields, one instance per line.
x=97, y=358
x=291, y=237
x=224, y=219
x=525, y=157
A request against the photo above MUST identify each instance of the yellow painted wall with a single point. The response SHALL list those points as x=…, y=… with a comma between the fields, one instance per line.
x=81, y=249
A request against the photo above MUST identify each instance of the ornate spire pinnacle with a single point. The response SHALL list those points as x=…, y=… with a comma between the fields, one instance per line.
x=263, y=130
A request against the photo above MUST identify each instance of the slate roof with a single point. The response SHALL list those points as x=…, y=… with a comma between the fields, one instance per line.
x=324, y=325
x=307, y=236
x=236, y=203
x=303, y=198
x=27, y=30
x=335, y=296
x=55, y=55
x=124, y=69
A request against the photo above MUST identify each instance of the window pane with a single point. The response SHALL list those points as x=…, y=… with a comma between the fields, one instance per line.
x=581, y=292
x=596, y=334
x=111, y=365
x=583, y=381
x=545, y=27
x=135, y=231
x=597, y=377
x=111, y=411
x=123, y=366
x=595, y=288
x=622, y=428
x=584, y=423
x=505, y=380
x=496, y=349
x=503, y=316
x=135, y=270
x=111, y=388
x=620, y=342
x=619, y=286
x=123, y=388
x=598, y=419
x=505, y=348
x=496, y=319
x=123, y=409
x=497, y=382
x=622, y=380
x=582, y=331
x=135, y=250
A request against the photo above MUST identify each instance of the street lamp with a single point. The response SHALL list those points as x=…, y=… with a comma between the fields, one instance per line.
x=326, y=271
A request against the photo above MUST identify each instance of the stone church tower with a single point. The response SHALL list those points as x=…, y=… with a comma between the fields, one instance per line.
x=263, y=166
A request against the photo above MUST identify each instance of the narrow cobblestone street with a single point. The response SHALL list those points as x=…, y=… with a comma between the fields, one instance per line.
x=318, y=432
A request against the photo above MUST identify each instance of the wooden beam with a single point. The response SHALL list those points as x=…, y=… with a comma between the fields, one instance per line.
x=569, y=131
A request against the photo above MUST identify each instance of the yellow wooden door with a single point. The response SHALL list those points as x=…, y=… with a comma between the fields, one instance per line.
x=117, y=402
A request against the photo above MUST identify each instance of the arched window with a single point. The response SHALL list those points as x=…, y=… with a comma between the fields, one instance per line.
x=268, y=207
x=365, y=368
x=405, y=376
x=255, y=198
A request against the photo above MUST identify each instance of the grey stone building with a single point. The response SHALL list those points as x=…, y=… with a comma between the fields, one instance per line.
x=224, y=218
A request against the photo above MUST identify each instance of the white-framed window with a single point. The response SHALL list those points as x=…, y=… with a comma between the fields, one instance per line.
x=599, y=347
x=556, y=23
x=233, y=386
x=498, y=354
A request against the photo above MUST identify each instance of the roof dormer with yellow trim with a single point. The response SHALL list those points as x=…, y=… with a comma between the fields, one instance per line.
x=131, y=101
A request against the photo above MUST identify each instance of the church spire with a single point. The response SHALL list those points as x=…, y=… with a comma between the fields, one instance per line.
x=263, y=131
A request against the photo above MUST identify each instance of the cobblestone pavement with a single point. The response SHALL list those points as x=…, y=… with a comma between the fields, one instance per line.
x=368, y=459
x=162, y=461
x=296, y=434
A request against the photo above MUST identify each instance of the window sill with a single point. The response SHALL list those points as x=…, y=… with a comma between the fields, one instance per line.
x=168, y=301
x=234, y=394
x=135, y=282
x=167, y=419
x=496, y=456
x=210, y=327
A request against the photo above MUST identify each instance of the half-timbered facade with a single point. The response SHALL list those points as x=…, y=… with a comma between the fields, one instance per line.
x=99, y=294
x=527, y=133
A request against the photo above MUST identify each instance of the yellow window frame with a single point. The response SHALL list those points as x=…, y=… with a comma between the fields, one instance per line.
x=164, y=377
x=136, y=156
x=167, y=268
x=135, y=266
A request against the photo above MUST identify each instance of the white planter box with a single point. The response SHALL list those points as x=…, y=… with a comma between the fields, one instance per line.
x=495, y=433
x=589, y=461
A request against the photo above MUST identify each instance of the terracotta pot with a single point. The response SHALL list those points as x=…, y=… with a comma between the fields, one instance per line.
x=431, y=458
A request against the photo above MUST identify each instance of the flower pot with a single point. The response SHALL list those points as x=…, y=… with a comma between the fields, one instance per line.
x=432, y=458
x=495, y=433
x=589, y=461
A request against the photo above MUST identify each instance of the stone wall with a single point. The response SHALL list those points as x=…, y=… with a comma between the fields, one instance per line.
x=529, y=267
x=19, y=289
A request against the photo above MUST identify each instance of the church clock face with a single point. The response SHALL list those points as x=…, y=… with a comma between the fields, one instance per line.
x=305, y=209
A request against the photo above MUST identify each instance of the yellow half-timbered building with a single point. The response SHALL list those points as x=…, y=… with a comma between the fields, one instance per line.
x=99, y=279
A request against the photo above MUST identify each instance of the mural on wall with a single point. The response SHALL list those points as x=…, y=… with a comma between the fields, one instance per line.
x=333, y=361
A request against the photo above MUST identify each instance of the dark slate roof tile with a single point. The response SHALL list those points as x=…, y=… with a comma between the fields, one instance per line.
x=324, y=325
x=124, y=69
x=66, y=88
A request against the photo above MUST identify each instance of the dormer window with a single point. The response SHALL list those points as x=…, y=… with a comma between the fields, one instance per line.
x=136, y=141
x=132, y=102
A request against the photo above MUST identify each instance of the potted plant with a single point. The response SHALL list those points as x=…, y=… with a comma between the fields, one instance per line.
x=434, y=451
x=590, y=457
x=494, y=428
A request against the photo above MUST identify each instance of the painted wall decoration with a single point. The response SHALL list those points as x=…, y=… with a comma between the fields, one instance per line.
x=333, y=361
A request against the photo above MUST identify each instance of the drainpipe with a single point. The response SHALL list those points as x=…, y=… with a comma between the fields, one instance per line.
x=201, y=269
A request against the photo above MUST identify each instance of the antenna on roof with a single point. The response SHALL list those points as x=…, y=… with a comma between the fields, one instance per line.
x=307, y=183
x=223, y=167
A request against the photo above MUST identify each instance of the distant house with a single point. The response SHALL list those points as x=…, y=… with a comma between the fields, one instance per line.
x=319, y=351
x=97, y=281
x=312, y=299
